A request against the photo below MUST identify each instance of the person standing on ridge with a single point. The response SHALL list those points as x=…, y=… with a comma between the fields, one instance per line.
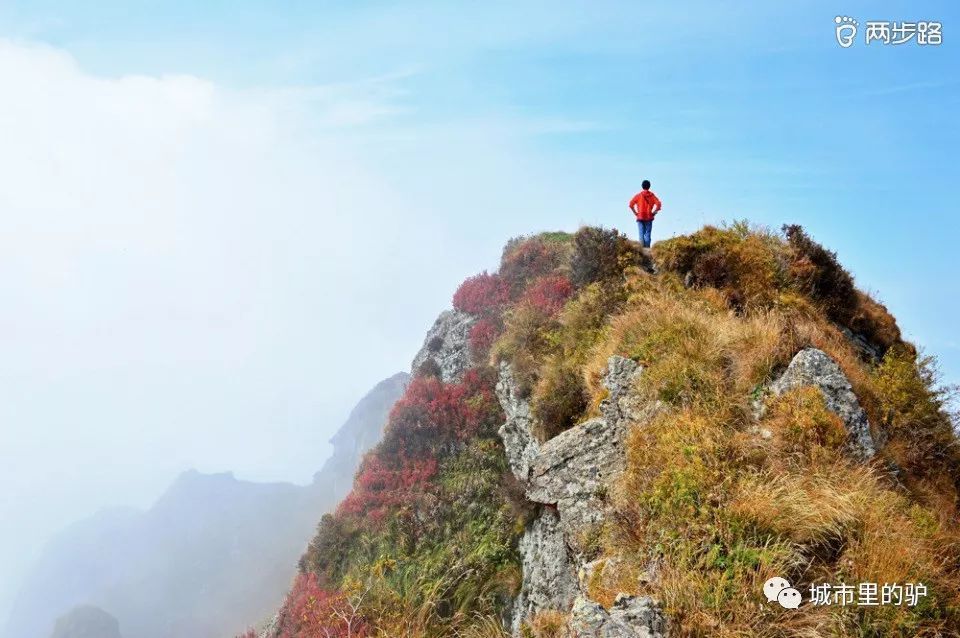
x=645, y=206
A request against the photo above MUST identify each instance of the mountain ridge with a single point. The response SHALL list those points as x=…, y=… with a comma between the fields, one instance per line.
x=597, y=444
x=195, y=547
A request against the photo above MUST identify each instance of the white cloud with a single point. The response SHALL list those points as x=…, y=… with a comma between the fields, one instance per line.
x=191, y=276
x=200, y=276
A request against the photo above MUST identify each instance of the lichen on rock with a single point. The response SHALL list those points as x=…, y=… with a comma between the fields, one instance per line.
x=569, y=476
x=517, y=431
x=629, y=617
x=549, y=577
x=446, y=344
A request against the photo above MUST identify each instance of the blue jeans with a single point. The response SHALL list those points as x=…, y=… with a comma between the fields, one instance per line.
x=645, y=228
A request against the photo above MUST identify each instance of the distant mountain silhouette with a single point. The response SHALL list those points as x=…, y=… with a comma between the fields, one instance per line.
x=213, y=555
x=86, y=621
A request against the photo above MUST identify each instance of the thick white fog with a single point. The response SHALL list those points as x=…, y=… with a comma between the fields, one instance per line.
x=198, y=277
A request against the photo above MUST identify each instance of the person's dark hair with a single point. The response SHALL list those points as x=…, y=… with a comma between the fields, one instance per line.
x=645, y=184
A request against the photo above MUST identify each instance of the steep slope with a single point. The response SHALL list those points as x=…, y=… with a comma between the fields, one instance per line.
x=660, y=446
x=182, y=568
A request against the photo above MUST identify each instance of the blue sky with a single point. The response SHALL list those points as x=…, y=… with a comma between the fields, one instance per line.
x=230, y=219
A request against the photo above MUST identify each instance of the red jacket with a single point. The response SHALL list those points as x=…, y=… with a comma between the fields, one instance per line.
x=643, y=204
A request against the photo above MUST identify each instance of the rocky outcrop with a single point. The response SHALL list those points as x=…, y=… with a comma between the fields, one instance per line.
x=569, y=476
x=573, y=471
x=813, y=367
x=519, y=441
x=446, y=345
x=629, y=617
x=549, y=577
x=622, y=403
x=271, y=628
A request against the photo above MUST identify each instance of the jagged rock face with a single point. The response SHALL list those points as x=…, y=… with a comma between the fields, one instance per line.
x=447, y=345
x=272, y=627
x=630, y=617
x=86, y=621
x=549, y=577
x=574, y=469
x=813, y=367
x=621, y=404
x=519, y=442
x=572, y=473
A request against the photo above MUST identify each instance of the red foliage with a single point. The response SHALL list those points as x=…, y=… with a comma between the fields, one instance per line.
x=379, y=487
x=311, y=611
x=481, y=294
x=440, y=412
x=548, y=294
x=527, y=261
x=431, y=419
x=482, y=335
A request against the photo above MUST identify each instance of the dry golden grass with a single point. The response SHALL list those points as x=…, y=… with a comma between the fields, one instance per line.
x=481, y=626
x=723, y=508
x=548, y=624
x=807, y=509
x=721, y=501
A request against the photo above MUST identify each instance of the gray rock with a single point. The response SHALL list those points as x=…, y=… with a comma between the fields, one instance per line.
x=272, y=628
x=813, y=367
x=869, y=350
x=517, y=431
x=446, y=344
x=573, y=472
x=549, y=577
x=621, y=378
x=575, y=469
x=630, y=617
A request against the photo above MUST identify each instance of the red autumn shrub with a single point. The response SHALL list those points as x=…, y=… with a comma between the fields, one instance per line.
x=482, y=335
x=379, y=487
x=482, y=294
x=432, y=413
x=549, y=294
x=432, y=419
x=311, y=611
x=525, y=261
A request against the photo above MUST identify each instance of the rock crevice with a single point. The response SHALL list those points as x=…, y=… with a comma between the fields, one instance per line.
x=569, y=476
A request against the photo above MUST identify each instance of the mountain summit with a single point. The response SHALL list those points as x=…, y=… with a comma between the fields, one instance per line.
x=588, y=449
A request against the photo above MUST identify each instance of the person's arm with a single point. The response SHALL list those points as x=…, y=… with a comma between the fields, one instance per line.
x=633, y=205
x=656, y=204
